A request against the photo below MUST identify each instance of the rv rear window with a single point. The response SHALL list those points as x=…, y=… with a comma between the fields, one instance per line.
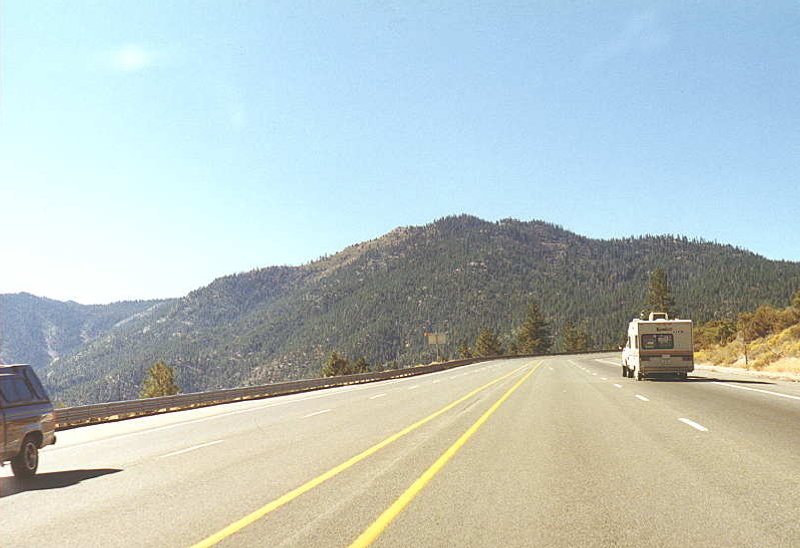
x=662, y=341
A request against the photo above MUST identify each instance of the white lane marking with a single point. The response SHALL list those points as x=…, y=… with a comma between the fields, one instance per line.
x=758, y=390
x=413, y=387
x=694, y=425
x=639, y=396
x=315, y=413
x=603, y=379
x=550, y=368
x=618, y=385
x=326, y=393
x=607, y=361
x=595, y=374
x=193, y=448
x=377, y=396
x=434, y=382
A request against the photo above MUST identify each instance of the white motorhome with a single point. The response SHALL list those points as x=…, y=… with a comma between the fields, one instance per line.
x=658, y=345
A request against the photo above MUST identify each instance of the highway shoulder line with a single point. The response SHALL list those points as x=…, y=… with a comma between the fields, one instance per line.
x=311, y=484
x=285, y=399
x=385, y=519
x=757, y=390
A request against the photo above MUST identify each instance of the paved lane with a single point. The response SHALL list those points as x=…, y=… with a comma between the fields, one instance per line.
x=173, y=479
x=555, y=452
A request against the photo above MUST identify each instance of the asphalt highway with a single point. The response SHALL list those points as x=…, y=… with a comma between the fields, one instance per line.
x=560, y=451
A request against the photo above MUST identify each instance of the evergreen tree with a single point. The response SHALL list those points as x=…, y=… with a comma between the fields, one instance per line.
x=487, y=344
x=659, y=296
x=464, y=351
x=796, y=300
x=575, y=338
x=160, y=381
x=335, y=365
x=533, y=336
x=361, y=366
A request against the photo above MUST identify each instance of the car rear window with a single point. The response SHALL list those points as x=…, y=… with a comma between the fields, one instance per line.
x=15, y=389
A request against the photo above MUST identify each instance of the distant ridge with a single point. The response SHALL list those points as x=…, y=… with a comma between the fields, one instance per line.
x=375, y=299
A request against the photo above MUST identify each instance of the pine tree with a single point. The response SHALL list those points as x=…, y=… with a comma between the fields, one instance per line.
x=361, y=366
x=659, y=296
x=796, y=300
x=464, y=351
x=335, y=365
x=487, y=344
x=160, y=381
x=575, y=338
x=533, y=336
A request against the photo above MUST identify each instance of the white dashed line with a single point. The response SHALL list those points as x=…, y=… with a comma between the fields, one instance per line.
x=694, y=425
x=639, y=396
x=413, y=387
x=377, y=396
x=603, y=379
x=315, y=413
x=618, y=385
x=193, y=448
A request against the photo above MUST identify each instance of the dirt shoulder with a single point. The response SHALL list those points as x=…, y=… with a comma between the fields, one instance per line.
x=771, y=373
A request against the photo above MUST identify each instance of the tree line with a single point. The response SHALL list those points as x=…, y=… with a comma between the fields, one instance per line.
x=534, y=336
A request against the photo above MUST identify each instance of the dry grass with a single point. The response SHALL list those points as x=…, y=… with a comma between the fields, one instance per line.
x=779, y=353
x=785, y=365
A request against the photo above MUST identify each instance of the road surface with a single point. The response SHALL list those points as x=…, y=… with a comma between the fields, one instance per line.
x=560, y=451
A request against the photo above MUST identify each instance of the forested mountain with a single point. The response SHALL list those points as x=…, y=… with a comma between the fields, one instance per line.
x=376, y=299
x=37, y=330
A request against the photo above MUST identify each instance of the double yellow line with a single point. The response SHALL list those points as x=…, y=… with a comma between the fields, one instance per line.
x=383, y=521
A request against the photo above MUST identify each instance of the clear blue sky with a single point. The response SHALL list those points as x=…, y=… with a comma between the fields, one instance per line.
x=147, y=148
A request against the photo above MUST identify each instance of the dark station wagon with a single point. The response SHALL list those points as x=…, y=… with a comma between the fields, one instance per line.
x=27, y=419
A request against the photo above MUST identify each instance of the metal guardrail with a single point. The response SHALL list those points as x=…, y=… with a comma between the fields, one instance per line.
x=71, y=417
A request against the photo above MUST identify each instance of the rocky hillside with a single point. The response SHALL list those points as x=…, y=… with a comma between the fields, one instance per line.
x=36, y=330
x=375, y=299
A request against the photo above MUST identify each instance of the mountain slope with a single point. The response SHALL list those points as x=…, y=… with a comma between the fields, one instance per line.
x=375, y=299
x=36, y=330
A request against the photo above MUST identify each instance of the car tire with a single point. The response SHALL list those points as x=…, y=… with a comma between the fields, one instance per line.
x=25, y=464
x=624, y=371
x=639, y=375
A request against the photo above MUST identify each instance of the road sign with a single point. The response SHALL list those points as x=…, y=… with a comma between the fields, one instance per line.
x=436, y=338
